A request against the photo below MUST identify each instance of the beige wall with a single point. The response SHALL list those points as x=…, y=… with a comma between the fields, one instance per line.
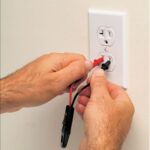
x=33, y=27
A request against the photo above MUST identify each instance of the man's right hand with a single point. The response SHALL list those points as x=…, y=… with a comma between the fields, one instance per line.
x=107, y=113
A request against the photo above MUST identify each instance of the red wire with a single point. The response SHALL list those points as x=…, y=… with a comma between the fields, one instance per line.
x=70, y=95
x=96, y=62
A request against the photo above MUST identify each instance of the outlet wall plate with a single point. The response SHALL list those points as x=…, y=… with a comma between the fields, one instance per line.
x=108, y=37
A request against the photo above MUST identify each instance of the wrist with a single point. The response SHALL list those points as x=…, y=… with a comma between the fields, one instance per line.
x=8, y=102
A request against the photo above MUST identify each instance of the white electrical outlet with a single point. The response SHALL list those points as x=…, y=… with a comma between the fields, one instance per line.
x=107, y=37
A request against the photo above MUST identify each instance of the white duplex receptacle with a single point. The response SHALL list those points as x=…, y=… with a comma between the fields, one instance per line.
x=107, y=37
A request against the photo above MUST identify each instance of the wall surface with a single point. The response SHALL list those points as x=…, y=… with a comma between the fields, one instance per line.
x=31, y=28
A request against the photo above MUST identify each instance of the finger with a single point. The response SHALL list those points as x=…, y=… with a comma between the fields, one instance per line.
x=80, y=109
x=78, y=82
x=121, y=97
x=99, y=88
x=75, y=84
x=116, y=91
x=63, y=59
x=86, y=92
x=75, y=71
x=71, y=57
x=83, y=100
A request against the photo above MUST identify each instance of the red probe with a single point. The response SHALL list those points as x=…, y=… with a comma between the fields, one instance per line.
x=98, y=61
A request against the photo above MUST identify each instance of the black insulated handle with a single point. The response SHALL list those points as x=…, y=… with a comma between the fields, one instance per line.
x=67, y=123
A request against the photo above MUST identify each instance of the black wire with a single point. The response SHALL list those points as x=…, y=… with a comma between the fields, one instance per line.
x=76, y=95
x=105, y=66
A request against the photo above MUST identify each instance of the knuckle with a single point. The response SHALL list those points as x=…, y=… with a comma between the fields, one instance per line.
x=81, y=70
x=98, y=80
x=95, y=83
x=82, y=57
x=132, y=108
x=94, y=79
x=79, y=56
x=53, y=54
x=47, y=55
x=43, y=56
x=128, y=106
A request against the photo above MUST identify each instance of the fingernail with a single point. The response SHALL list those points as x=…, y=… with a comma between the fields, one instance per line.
x=98, y=72
x=88, y=65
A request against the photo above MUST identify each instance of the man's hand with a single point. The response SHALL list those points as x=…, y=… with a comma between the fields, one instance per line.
x=107, y=113
x=41, y=80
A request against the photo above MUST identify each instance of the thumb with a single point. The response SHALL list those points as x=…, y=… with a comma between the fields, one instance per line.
x=99, y=89
x=74, y=71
